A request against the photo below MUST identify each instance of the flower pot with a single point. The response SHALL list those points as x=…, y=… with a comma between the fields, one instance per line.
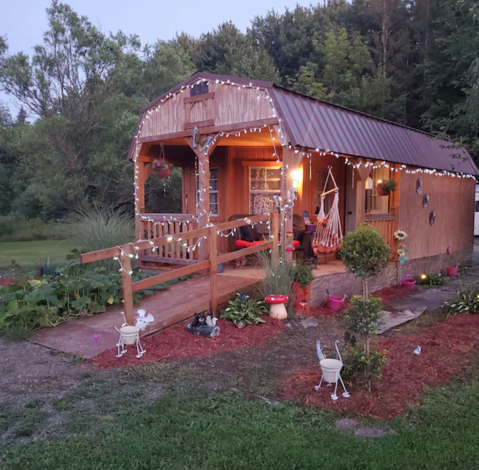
x=382, y=191
x=301, y=298
x=310, y=228
x=220, y=268
x=452, y=271
x=331, y=369
x=335, y=303
x=408, y=283
x=129, y=334
x=163, y=173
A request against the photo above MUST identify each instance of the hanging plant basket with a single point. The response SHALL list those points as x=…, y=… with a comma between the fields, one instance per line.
x=163, y=173
x=382, y=191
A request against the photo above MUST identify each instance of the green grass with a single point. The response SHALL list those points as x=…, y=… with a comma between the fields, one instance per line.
x=231, y=433
x=32, y=253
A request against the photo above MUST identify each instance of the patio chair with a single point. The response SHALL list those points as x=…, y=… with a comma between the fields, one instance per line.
x=246, y=236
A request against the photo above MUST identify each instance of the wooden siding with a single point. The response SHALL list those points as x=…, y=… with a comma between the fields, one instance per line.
x=228, y=106
x=453, y=201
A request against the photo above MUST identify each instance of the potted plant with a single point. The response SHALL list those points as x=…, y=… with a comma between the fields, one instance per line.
x=384, y=188
x=302, y=278
x=162, y=168
x=244, y=311
x=452, y=270
x=408, y=282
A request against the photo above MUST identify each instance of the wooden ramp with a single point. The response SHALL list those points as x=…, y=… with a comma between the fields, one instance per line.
x=89, y=336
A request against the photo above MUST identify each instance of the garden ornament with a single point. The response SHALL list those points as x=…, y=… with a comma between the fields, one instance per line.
x=142, y=320
x=331, y=369
x=203, y=326
x=417, y=351
x=129, y=335
x=211, y=320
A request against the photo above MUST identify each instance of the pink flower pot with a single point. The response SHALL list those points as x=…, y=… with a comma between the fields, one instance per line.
x=452, y=271
x=408, y=283
x=335, y=303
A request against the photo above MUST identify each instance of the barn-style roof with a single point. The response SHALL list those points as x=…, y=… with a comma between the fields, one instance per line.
x=316, y=124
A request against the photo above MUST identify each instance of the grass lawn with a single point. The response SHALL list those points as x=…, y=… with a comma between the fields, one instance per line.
x=31, y=253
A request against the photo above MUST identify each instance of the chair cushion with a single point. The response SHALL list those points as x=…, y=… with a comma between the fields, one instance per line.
x=245, y=244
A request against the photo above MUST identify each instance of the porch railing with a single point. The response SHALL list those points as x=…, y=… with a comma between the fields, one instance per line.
x=385, y=224
x=154, y=226
x=208, y=234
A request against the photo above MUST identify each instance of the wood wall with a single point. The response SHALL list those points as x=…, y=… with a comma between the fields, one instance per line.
x=228, y=105
x=453, y=201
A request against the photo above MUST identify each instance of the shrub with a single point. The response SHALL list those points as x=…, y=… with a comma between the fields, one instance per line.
x=357, y=366
x=244, y=311
x=96, y=229
x=431, y=279
x=303, y=274
x=15, y=228
x=364, y=253
x=466, y=301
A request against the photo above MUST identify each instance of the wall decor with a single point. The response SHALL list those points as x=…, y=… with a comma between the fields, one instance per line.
x=425, y=201
x=419, y=186
x=432, y=217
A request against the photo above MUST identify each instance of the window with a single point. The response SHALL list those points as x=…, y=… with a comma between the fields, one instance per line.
x=199, y=89
x=214, y=196
x=264, y=183
x=376, y=203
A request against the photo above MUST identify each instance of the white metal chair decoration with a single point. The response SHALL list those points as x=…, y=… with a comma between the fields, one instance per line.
x=131, y=334
x=331, y=369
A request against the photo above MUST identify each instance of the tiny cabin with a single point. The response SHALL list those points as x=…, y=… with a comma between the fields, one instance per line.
x=244, y=144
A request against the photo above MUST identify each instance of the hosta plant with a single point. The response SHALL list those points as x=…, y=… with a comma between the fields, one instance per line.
x=466, y=301
x=244, y=311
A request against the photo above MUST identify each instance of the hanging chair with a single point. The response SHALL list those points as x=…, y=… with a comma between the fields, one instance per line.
x=328, y=230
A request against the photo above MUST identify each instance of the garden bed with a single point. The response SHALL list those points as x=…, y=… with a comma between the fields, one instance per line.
x=446, y=349
x=177, y=342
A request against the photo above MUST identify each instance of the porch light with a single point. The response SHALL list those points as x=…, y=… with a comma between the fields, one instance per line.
x=297, y=178
x=423, y=276
x=369, y=183
x=380, y=181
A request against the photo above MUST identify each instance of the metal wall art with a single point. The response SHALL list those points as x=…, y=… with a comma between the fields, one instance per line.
x=419, y=186
x=432, y=217
x=425, y=201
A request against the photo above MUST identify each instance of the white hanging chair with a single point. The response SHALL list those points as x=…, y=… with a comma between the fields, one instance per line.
x=328, y=230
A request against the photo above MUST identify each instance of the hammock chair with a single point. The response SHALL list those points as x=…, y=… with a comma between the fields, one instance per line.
x=328, y=230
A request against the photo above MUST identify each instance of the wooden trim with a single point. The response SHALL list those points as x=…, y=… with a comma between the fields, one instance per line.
x=194, y=99
x=157, y=217
x=254, y=219
x=205, y=123
x=261, y=163
x=211, y=130
x=162, y=259
x=127, y=287
x=161, y=278
x=380, y=217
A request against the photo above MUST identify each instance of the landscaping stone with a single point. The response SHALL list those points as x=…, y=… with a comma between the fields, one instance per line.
x=310, y=322
x=373, y=433
x=429, y=299
x=393, y=319
x=346, y=424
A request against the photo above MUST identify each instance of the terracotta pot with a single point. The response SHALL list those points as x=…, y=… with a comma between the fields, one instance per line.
x=452, y=272
x=408, y=283
x=163, y=173
x=382, y=191
x=301, y=294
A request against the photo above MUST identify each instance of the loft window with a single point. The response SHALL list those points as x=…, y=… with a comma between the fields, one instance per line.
x=199, y=89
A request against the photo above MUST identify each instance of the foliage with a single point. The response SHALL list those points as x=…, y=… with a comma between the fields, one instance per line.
x=389, y=185
x=357, y=366
x=14, y=227
x=244, y=311
x=431, y=279
x=303, y=273
x=96, y=229
x=48, y=301
x=277, y=279
x=364, y=317
x=162, y=165
x=364, y=252
x=466, y=301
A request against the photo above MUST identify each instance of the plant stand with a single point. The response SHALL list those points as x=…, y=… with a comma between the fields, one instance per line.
x=129, y=335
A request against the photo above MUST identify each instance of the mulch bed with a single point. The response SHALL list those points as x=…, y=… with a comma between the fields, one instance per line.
x=177, y=342
x=446, y=349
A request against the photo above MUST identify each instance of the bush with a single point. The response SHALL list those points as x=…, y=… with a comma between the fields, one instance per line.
x=244, y=311
x=466, y=301
x=357, y=366
x=431, y=279
x=96, y=229
x=15, y=228
x=303, y=274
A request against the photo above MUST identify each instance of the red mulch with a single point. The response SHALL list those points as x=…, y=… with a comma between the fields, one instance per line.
x=446, y=349
x=388, y=295
x=177, y=342
x=7, y=281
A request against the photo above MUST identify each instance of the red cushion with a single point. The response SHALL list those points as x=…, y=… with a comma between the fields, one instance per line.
x=245, y=244
x=296, y=243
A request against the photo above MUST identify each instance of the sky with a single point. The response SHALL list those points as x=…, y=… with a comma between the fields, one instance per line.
x=24, y=21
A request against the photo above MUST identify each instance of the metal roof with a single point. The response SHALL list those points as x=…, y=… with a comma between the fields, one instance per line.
x=313, y=123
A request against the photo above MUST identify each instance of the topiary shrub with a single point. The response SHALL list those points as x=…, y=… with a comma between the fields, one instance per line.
x=365, y=254
x=357, y=366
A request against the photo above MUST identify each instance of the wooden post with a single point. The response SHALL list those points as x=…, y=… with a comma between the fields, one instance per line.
x=275, y=233
x=126, y=287
x=213, y=245
x=286, y=185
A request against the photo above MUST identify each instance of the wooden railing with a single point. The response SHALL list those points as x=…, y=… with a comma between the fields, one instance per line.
x=126, y=252
x=153, y=226
x=385, y=224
